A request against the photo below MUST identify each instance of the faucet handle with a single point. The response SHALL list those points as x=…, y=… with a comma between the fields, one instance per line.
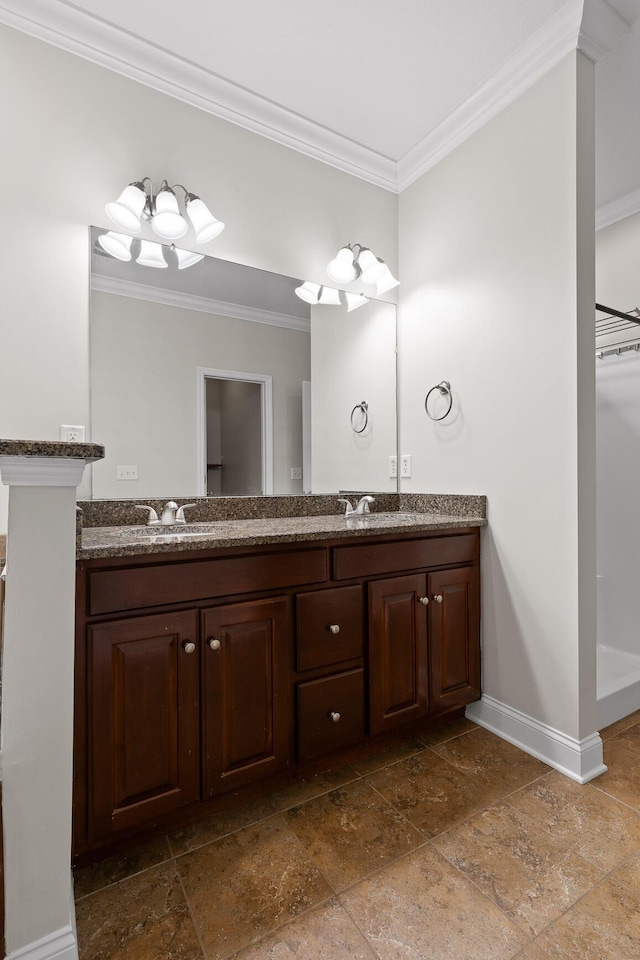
x=348, y=510
x=180, y=517
x=153, y=516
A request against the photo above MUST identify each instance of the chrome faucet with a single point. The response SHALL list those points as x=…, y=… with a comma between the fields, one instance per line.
x=171, y=514
x=362, y=506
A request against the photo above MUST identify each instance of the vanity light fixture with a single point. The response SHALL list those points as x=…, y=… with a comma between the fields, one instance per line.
x=137, y=202
x=147, y=253
x=316, y=293
x=353, y=262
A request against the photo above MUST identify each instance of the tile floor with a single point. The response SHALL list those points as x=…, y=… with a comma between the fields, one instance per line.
x=449, y=846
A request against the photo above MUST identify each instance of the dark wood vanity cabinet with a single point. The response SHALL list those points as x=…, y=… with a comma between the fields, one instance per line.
x=398, y=678
x=144, y=718
x=246, y=703
x=198, y=673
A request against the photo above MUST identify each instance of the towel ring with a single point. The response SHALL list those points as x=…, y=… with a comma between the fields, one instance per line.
x=364, y=410
x=445, y=388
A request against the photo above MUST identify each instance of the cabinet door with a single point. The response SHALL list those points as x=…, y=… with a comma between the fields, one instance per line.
x=454, y=637
x=247, y=698
x=397, y=651
x=143, y=719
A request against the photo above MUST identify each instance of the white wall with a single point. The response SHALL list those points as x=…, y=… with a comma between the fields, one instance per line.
x=78, y=133
x=353, y=359
x=144, y=373
x=618, y=444
x=496, y=248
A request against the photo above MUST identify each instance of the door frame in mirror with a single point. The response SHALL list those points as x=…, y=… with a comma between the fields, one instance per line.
x=265, y=380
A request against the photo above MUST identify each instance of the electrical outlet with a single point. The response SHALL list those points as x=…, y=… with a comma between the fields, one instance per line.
x=71, y=434
x=393, y=466
x=405, y=465
x=296, y=473
x=127, y=473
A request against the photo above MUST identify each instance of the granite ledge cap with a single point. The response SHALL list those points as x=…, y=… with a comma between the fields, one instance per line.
x=89, y=452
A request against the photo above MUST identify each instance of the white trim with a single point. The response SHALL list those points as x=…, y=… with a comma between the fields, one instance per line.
x=60, y=945
x=580, y=760
x=266, y=395
x=619, y=209
x=602, y=27
x=548, y=45
x=87, y=35
x=41, y=471
x=189, y=301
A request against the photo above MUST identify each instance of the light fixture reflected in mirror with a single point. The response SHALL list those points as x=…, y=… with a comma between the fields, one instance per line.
x=116, y=245
x=151, y=255
x=316, y=293
x=137, y=203
x=147, y=253
x=353, y=262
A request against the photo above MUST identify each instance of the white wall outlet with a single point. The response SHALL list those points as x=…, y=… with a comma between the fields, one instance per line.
x=393, y=466
x=405, y=465
x=71, y=434
x=127, y=473
x=296, y=473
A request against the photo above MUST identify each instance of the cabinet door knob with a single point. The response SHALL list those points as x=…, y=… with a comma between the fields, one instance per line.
x=424, y=600
x=334, y=627
x=335, y=716
x=214, y=643
x=438, y=597
x=188, y=646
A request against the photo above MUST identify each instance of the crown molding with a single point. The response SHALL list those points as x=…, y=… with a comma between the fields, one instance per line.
x=619, y=209
x=548, y=45
x=589, y=25
x=77, y=31
x=601, y=29
x=189, y=301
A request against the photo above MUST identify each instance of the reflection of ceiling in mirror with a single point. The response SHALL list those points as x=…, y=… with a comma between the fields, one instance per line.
x=211, y=279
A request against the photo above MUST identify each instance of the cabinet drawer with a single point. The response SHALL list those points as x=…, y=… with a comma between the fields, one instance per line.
x=328, y=627
x=370, y=560
x=128, y=589
x=330, y=714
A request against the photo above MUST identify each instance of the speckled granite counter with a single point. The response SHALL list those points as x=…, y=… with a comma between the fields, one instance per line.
x=119, y=541
x=51, y=449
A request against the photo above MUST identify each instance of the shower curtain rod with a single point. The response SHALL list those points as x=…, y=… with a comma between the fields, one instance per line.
x=617, y=313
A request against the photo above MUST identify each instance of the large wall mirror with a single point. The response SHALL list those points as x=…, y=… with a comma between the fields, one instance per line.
x=216, y=379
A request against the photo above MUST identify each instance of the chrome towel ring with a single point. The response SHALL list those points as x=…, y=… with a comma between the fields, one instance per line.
x=445, y=389
x=364, y=410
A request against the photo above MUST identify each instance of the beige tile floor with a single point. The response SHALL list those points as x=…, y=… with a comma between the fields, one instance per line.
x=450, y=846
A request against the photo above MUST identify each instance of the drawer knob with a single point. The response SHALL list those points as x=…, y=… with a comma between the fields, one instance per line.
x=334, y=627
x=438, y=597
x=188, y=646
x=335, y=716
x=424, y=600
x=214, y=643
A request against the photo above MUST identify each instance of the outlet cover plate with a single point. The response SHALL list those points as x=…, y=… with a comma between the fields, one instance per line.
x=70, y=433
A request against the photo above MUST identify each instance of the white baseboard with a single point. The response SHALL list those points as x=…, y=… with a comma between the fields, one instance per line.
x=60, y=945
x=579, y=759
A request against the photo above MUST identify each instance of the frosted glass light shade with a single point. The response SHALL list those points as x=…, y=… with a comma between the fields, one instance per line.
x=151, y=255
x=372, y=268
x=386, y=282
x=116, y=245
x=308, y=291
x=186, y=258
x=329, y=297
x=204, y=223
x=342, y=268
x=127, y=209
x=167, y=220
x=355, y=300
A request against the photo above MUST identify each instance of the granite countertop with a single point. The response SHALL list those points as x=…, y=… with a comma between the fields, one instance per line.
x=121, y=541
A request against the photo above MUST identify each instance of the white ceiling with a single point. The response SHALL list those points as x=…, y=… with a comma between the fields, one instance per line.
x=381, y=88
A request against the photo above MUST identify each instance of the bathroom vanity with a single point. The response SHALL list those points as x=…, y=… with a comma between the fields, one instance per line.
x=209, y=660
